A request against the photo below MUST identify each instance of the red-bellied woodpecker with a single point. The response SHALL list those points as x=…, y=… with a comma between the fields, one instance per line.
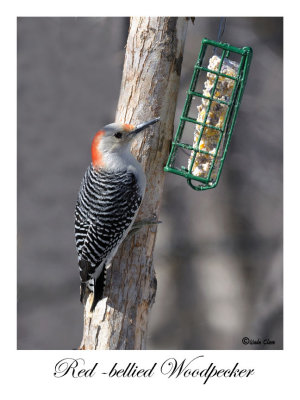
x=108, y=201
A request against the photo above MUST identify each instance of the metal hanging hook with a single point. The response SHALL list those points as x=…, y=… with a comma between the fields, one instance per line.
x=221, y=31
x=221, y=28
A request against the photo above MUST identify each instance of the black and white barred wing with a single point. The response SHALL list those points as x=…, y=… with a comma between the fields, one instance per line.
x=107, y=204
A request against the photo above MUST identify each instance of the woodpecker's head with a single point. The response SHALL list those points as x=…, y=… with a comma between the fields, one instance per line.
x=115, y=138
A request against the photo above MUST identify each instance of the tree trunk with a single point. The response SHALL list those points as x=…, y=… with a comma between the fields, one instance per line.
x=149, y=89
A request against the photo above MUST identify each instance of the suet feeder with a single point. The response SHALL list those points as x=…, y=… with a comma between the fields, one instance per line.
x=209, y=114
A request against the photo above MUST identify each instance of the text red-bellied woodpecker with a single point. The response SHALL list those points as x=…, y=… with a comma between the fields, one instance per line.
x=108, y=201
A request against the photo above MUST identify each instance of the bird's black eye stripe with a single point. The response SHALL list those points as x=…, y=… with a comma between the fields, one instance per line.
x=118, y=135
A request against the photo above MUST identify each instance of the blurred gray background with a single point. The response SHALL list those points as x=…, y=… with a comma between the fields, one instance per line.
x=218, y=254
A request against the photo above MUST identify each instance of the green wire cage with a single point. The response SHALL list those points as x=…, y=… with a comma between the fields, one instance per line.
x=204, y=132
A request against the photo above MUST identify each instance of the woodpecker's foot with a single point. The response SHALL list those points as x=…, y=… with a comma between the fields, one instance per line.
x=139, y=224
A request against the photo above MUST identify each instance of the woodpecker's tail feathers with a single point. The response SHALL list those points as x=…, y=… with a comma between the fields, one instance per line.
x=99, y=288
x=87, y=282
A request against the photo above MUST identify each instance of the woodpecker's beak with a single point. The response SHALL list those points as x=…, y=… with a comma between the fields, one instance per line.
x=144, y=125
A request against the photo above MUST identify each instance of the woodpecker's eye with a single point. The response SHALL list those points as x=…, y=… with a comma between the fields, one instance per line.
x=118, y=135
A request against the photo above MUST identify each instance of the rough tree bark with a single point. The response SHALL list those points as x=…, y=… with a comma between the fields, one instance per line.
x=149, y=89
